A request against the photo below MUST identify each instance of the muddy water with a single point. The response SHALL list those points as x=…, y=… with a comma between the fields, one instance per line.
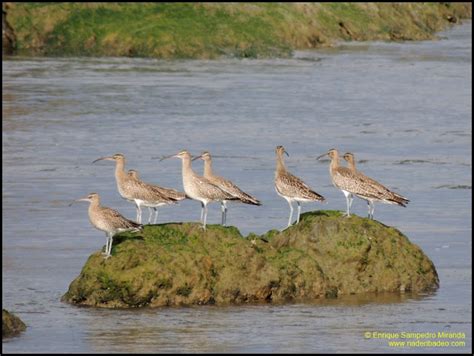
x=404, y=109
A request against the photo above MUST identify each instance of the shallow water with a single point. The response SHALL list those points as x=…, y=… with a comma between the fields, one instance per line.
x=404, y=109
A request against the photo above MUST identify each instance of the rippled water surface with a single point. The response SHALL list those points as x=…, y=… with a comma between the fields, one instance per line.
x=404, y=109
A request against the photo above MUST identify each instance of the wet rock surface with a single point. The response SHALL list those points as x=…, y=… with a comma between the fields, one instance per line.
x=11, y=324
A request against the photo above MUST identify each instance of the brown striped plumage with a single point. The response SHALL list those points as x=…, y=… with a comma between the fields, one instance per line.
x=167, y=192
x=198, y=187
x=352, y=182
x=137, y=191
x=108, y=220
x=226, y=185
x=148, y=193
x=393, y=197
x=291, y=187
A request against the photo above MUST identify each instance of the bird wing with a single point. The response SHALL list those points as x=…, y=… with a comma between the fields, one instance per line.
x=289, y=185
x=117, y=220
x=148, y=192
x=390, y=195
x=169, y=192
x=363, y=186
x=207, y=188
x=232, y=189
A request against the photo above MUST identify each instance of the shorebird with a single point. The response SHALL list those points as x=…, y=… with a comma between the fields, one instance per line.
x=349, y=158
x=351, y=181
x=226, y=185
x=389, y=196
x=153, y=204
x=137, y=191
x=197, y=187
x=291, y=187
x=108, y=220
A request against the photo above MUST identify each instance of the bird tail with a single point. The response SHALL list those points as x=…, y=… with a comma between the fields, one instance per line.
x=401, y=198
x=135, y=227
x=317, y=196
x=397, y=199
x=248, y=199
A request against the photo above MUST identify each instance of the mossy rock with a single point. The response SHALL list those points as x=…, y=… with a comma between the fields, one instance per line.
x=11, y=324
x=324, y=256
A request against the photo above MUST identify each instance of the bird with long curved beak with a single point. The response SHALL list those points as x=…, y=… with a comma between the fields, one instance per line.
x=107, y=220
x=198, y=187
x=226, y=185
x=122, y=179
x=138, y=192
x=352, y=182
x=292, y=188
x=337, y=174
x=149, y=194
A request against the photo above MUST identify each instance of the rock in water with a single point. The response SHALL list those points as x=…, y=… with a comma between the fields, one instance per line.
x=8, y=35
x=11, y=324
x=325, y=255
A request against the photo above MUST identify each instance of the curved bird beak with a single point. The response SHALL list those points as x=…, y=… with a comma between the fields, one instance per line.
x=195, y=158
x=82, y=199
x=104, y=158
x=324, y=154
x=166, y=157
x=286, y=153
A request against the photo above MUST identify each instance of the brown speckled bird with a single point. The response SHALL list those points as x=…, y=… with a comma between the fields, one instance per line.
x=387, y=196
x=198, y=187
x=108, y=220
x=226, y=185
x=290, y=187
x=136, y=191
x=352, y=182
x=151, y=188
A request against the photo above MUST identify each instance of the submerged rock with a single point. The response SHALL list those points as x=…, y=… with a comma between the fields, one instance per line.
x=325, y=255
x=11, y=324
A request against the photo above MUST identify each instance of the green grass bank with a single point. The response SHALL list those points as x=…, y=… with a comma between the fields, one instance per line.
x=324, y=256
x=211, y=30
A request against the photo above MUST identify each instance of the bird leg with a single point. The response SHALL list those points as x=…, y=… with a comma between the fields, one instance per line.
x=372, y=208
x=348, y=203
x=291, y=213
x=139, y=213
x=224, y=213
x=156, y=215
x=106, y=244
x=299, y=212
x=202, y=212
x=222, y=210
x=150, y=215
x=109, y=245
x=205, y=217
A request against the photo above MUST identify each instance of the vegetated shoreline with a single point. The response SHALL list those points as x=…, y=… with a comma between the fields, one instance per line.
x=213, y=30
x=325, y=256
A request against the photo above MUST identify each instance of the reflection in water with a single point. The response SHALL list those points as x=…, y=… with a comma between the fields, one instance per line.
x=411, y=100
x=201, y=328
x=374, y=298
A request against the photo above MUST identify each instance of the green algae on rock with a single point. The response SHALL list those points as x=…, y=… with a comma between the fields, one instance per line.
x=325, y=255
x=11, y=324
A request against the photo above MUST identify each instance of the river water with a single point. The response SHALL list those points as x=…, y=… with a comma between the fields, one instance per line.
x=403, y=109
